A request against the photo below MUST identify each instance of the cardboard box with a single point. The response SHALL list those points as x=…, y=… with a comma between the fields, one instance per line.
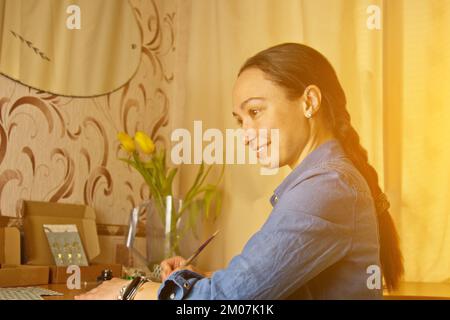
x=58, y=274
x=12, y=274
x=36, y=214
x=19, y=276
x=2, y=246
x=9, y=246
x=4, y=221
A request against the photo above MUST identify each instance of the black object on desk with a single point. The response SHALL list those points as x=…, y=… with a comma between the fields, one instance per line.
x=105, y=275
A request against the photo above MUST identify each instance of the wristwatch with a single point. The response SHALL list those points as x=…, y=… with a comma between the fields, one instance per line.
x=129, y=291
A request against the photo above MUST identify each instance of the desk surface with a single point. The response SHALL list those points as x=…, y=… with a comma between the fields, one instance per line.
x=407, y=290
x=69, y=294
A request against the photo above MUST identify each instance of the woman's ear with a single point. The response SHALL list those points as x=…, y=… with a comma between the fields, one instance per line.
x=312, y=101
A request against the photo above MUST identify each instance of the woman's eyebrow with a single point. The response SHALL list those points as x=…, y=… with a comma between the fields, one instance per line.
x=250, y=99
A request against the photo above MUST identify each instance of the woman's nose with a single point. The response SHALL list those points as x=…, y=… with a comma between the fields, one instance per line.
x=248, y=136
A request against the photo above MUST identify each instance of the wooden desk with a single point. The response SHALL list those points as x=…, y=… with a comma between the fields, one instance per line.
x=406, y=291
x=420, y=291
x=67, y=293
x=70, y=294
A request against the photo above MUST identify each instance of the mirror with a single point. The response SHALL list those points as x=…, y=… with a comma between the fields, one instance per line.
x=80, y=48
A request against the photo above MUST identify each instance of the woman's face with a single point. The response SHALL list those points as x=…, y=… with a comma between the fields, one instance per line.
x=259, y=103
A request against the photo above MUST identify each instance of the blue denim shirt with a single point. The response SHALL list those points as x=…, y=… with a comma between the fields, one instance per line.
x=318, y=242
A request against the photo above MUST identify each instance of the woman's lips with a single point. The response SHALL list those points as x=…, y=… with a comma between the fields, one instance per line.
x=262, y=148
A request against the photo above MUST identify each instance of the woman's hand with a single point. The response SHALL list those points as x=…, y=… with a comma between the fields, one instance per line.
x=170, y=265
x=173, y=264
x=108, y=290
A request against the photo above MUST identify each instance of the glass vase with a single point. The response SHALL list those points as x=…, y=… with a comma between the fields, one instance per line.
x=167, y=232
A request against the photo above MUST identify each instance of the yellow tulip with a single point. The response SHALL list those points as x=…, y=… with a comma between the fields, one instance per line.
x=126, y=142
x=144, y=142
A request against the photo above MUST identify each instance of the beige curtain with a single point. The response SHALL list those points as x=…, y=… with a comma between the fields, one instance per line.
x=396, y=81
x=422, y=152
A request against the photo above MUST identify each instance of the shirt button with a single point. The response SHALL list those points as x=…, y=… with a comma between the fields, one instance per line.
x=275, y=199
x=172, y=296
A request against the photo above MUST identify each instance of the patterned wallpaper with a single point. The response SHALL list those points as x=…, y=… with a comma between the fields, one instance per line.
x=63, y=149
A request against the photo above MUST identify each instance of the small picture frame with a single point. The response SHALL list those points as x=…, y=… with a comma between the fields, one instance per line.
x=65, y=244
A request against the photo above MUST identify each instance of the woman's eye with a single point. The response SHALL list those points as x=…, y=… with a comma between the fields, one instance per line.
x=254, y=112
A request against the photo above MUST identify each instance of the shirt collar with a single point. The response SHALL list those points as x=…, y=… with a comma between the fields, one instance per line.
x=328, y=150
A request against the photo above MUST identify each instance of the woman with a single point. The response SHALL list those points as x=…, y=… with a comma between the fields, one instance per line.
x=330, y=228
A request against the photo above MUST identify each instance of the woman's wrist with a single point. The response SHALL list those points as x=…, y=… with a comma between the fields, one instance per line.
x=208, y=274
x=148, y=291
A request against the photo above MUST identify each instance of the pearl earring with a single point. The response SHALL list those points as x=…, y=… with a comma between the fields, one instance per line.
x=309, y=114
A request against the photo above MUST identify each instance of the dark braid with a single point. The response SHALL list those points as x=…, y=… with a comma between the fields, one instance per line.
x=294, y=66
x=350, y=141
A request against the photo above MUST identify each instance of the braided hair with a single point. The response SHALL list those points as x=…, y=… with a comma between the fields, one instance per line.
x=295, y=66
